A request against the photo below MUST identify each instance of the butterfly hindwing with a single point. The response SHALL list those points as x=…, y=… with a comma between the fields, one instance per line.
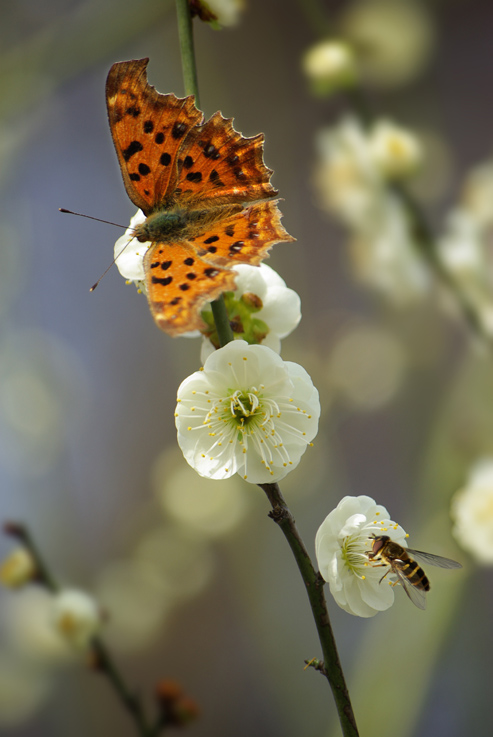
x=180, y=283
x=244, y=237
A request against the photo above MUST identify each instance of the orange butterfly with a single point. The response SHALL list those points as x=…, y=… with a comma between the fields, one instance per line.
x=192, y=180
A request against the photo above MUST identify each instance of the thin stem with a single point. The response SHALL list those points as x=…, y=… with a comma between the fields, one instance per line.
x=189, y=68
x=314, y=587
x=187, y=49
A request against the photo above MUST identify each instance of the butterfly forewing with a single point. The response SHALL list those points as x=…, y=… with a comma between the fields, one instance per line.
x=218, y=164
x=192, y=181
x=148, y=130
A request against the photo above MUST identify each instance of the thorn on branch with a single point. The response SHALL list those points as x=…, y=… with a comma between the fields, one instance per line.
x=316, y=664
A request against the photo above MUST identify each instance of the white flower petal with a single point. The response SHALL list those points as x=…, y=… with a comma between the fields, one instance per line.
x=341, y=546
x=246, y=412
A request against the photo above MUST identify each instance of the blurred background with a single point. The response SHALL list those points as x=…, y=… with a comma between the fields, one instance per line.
x=197, y=582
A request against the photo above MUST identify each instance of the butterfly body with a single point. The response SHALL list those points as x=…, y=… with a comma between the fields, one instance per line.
x=203, y=188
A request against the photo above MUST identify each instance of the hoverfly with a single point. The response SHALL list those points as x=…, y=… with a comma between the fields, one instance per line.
x=401, y=563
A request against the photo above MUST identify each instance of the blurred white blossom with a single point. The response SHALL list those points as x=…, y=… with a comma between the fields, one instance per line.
x=393, y=39
x=228, y=12
x=76, y=617
x=248, y=412
x=342, y=544
x=329, y=65
x=396, y=150
x=352, y=184
x=472, y=512
x=18, y=568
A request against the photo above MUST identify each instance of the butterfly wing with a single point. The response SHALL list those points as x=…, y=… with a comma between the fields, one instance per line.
x=148, y=130
x=180, y=283
x=218, y=165
x=243, y=237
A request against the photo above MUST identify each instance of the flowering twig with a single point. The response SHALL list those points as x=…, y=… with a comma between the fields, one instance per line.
x=314, y=583
x=100, y=657
x=189, y=68
x=280, y=512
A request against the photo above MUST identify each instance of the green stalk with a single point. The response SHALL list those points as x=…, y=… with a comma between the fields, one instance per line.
x=189, y=67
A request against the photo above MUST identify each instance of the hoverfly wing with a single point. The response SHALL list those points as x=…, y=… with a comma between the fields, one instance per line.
x=433, y=560
x=417, y=596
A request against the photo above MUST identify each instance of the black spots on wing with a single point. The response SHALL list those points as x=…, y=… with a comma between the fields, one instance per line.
x=233, y=159
x=212, y=249
x=178, y=130
x=188, y=162
x=229, y=231
x=211, y=239
x=133, y=148
x=189, y=261
x=175, y=301
x=210, y=151
x=133, y=111
x=252, y=232
x=163, y=264
x=163, y=281
x=148, y=126
x=236, y=246
x=135, y=177
x=194, y=176
x=165, y=159
x=184, y=287
x=146, y=192
x=191, y=276
x=215, y=179
x=144, y=170
x=211, y=273
x=159, y=138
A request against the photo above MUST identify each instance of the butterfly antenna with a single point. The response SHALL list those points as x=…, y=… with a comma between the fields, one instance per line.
x=112, y=264
x=108, y=222
x=90, y=217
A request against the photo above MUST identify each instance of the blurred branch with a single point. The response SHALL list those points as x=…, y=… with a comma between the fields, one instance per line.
x=357, y=101
x=331, y=667
x=100, y=657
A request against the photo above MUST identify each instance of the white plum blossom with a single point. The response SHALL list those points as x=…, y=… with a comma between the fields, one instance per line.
x=76, y=617
x=247, y=412
x=129, y=253
x=342, y=543
x=472, y=512
x=266, y=308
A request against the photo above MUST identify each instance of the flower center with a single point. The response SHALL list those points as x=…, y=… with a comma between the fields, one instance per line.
x=354, y=554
